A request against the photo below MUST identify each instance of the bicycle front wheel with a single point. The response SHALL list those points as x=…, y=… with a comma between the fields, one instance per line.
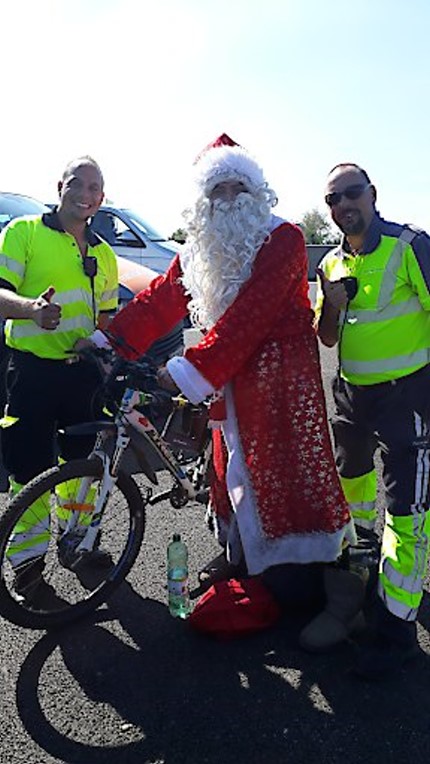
x=40, y=588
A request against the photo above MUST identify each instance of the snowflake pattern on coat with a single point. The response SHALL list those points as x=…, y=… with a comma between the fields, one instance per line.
x=265, y=347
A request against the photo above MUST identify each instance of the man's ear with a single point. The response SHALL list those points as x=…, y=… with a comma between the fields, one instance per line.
x=374, y=194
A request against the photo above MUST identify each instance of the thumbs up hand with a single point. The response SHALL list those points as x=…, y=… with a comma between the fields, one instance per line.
x=46, y=314
x=334, y=291
x=48, y=294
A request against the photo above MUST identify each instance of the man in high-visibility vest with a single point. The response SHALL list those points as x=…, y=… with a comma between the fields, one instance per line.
x=58, y=281
x=374, y=301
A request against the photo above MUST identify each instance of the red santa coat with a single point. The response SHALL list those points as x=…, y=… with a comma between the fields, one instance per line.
x=277, y=492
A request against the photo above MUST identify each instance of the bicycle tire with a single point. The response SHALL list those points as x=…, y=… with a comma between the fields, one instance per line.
x=84, y=599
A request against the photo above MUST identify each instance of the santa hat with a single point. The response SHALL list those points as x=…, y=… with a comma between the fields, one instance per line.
x=224, y=160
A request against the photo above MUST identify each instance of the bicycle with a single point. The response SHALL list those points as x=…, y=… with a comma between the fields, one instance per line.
x=101, y=488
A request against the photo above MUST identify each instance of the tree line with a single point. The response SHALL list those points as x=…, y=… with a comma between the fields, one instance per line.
x=316, y=228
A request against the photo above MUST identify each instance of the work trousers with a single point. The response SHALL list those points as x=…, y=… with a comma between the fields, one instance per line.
x=44, y=396
x=393, y=417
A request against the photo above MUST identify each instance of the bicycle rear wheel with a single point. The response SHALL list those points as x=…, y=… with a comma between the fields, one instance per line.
x=61, y=594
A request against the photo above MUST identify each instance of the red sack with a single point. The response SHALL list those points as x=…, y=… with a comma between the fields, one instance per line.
x=231, y=609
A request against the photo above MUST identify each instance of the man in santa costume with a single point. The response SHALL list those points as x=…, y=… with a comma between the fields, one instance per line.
x=242, y=277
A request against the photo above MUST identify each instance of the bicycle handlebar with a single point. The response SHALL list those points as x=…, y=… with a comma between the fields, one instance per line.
x=138, y=373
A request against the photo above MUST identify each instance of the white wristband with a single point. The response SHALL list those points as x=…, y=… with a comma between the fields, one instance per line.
x=100, y=340
x=193, y=384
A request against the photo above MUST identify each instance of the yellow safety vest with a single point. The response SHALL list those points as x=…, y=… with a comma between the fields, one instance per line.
x=35, y=254
x=385, y=332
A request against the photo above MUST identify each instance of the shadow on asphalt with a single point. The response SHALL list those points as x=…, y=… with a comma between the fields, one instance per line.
x=182, y=697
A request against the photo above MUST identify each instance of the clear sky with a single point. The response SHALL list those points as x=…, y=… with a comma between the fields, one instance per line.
x=143, y=85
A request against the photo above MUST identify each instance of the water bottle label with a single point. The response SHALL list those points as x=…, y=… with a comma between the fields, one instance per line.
x=177, y=588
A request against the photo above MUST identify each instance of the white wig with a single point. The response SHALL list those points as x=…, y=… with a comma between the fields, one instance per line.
x=227, y=163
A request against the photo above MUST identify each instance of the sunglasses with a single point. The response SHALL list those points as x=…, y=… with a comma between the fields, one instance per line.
x=350, y=192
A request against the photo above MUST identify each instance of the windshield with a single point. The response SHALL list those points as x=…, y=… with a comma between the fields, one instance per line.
x=14, y=206
x=151, y=233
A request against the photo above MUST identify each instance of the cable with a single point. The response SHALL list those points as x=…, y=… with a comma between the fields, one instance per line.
x=351, y=287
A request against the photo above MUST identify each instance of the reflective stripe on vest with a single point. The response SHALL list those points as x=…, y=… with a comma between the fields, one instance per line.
x=384, y=314
x=34, y=330
x=393, y=265
x=385, y=311
x=12, y=265
x=109, y=295
x=408, y=361
x=78, y=301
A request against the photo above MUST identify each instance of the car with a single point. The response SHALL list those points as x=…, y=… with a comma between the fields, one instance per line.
x=133, y=238
x=134, y=274
x=15, y=205
x=129, y=235
x=134, y=278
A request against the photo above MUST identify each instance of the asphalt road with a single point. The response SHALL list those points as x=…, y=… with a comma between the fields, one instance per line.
x=134, y=685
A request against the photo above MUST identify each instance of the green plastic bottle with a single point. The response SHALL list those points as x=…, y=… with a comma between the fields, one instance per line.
x=178, y=591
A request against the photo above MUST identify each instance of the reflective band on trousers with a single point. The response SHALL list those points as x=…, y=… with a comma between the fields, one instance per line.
x=37, y=548
x=403, y=566
x=360, y=493
x=364, y=515
x=30, y=536
x=401, y=610
x=410, y=583
x=363, y=508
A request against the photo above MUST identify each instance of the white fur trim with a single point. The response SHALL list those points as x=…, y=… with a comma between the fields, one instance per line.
x=245, y=529
x=275, y=222
x=224, y=163
x=193, y=385
x=100, y=340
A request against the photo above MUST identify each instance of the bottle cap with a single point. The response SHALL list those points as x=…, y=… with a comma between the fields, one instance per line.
x=176, y=537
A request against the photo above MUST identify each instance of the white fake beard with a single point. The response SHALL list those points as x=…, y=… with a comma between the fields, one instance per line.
x=220, y=252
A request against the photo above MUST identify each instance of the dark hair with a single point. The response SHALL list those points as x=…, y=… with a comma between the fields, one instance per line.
x=78, y=163
x=351, y=164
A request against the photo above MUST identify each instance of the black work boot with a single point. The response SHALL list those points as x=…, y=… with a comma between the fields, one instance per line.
x=30, y=588
x=394, y=645
x=71, y=558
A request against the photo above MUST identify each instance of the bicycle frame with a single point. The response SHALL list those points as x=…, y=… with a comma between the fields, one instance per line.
x=128, y=420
